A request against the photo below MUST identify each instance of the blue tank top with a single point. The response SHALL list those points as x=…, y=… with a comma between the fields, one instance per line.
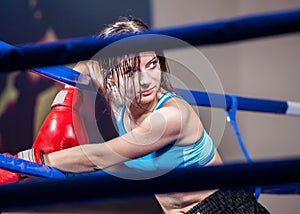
x=171, y=156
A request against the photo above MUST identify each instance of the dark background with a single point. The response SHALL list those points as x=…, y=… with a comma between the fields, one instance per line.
x=32, y=21
x=27, y=21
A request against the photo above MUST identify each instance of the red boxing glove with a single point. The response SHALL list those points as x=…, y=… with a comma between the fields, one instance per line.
x=63, y=127
x=7, y=177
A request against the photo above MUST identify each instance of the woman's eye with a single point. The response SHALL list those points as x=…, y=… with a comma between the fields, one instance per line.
x=153, y=64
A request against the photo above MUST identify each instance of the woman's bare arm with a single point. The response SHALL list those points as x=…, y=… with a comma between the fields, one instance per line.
x=157, y=130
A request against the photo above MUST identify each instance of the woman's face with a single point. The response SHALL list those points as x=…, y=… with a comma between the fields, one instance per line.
x=142, y=83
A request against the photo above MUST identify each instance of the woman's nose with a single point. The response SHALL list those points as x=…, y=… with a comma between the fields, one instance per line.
x=144, y=78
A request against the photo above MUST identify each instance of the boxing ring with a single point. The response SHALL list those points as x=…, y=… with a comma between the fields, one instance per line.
x=54, y=186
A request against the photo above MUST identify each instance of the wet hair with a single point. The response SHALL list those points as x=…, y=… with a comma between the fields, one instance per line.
x=112, y=67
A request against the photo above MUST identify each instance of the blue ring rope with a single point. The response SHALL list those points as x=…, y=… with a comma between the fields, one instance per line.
x=29, y=168
x=103, y=186
x=222, y=31
x=224, y=101
x=69, y=76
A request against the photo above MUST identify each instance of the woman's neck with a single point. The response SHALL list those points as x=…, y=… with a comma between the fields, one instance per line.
x=137, y=110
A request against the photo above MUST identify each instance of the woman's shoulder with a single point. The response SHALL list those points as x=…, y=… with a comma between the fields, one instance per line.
x=173, y=99
x=180, y=107
x=181, y=115
x=176, y=107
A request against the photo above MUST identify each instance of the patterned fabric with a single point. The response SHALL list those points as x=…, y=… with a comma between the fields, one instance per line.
x=229, y=202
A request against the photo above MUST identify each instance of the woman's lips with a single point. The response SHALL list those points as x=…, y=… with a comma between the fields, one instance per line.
x=147, y=92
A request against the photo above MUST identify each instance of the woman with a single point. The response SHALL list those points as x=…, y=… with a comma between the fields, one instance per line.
x=157, y=128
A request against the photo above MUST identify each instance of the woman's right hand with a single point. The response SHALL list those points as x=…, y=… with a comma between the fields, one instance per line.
x=92, y=69
x=105, y=85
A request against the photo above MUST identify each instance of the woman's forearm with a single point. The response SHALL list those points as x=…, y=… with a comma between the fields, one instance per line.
x=70, y=160
x=84, y=158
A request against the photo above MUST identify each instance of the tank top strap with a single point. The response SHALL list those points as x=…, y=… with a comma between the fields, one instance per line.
x=163, y=99
x=119, y=121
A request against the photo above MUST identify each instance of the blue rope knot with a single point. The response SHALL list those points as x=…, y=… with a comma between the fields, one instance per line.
x=231, y=118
